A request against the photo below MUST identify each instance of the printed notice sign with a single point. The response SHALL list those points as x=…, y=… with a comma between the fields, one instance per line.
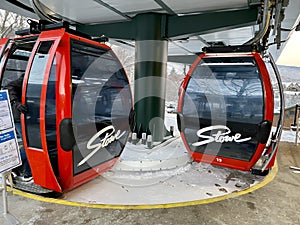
x=6, y=121
x=9, y=149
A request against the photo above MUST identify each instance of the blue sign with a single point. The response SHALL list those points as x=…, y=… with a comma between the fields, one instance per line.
x=9, y=149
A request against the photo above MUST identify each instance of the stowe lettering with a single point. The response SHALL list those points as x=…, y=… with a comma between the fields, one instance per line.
x=109, y=138
x=220, y=137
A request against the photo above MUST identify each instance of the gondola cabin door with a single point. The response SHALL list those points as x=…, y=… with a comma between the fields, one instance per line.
x=79, y=101
x=226, y=109
x=3, y=43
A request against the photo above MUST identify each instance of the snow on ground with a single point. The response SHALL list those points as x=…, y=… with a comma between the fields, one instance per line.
x=162, y=175
x=192, y=182
x=289, y=136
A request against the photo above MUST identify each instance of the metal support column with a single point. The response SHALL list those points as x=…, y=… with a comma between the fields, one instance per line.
x=151, y=54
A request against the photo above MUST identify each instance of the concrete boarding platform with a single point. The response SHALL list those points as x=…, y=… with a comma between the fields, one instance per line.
x=276, y=202
x=165, y=177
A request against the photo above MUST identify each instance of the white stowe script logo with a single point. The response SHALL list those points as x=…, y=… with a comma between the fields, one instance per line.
x=220, y=137
x=110, y=136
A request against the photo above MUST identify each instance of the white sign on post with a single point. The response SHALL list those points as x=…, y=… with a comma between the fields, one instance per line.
x=9, y=149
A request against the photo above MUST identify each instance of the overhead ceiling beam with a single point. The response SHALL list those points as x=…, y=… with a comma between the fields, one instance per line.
x=178, y=26
x=185, y=59
x=165, y=7
x=112, y=9
x=144, y=11
x=117, y=30
x=21, y=5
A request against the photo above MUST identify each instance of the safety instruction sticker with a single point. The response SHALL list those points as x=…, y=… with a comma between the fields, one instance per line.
x=6, y=120
x=9, y=152
x=9, y=149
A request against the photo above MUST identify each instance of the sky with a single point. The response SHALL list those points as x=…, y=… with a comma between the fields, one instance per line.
x=290, y=55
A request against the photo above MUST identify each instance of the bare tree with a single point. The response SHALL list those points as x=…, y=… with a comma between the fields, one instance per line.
x=10, y=22
x=126, y=56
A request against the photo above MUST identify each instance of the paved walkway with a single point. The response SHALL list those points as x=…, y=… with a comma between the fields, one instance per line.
x=276, y=203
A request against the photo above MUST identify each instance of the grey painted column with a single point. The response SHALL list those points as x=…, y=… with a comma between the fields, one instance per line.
x=151, y=53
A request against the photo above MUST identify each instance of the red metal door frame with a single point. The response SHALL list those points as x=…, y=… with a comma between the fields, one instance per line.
x=268, y=115
x=4, y=43
x=67, y=178
x=39, y=160
x=40, y=163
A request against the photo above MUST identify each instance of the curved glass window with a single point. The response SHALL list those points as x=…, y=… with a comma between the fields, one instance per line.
x=33, y=94
x=100, y=106
x=17, y=60
x=50, y=108
x=222, y=107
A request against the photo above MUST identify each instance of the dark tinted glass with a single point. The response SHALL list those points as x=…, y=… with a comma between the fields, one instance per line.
x=224, y=103
x=17, y=60
x=50, y=107
x=101, y=100
x=33, y=95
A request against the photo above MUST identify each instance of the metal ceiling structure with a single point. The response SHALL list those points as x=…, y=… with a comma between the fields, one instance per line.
x=101, y=14
x=104, y=11
x=177, y=29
